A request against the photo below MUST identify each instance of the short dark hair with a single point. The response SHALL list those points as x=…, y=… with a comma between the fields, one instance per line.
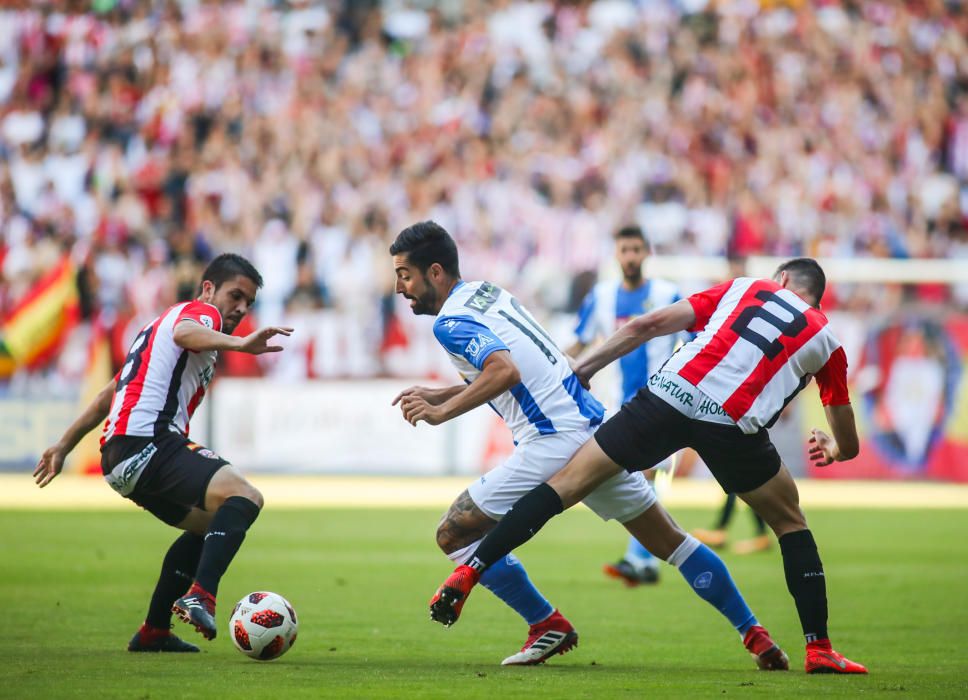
x=807, y=275
x=426, y=243
x=229, y=265
x=630, y=232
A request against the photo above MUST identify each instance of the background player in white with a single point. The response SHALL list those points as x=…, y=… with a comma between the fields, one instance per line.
x=508, y=361
x=759, y=344
x=606, y=308
x=146, y=455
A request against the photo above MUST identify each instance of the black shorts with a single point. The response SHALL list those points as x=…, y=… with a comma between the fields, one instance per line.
x=167, y=475
x=647, y=430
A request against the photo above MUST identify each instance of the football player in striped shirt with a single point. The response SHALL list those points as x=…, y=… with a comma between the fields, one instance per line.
x=759, y=343
x=507, y=360
x=147, y=457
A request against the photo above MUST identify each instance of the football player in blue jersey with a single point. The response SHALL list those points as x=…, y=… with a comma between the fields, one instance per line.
x=607, y=307
x=507, y=360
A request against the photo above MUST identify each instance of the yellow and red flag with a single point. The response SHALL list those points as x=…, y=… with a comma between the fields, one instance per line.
x=33, y=331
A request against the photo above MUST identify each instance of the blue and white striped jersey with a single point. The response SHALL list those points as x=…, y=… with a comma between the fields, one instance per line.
x=479, y=318
x=608, y=307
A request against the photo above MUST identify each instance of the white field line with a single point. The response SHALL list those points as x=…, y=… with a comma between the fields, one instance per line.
x=17, y=491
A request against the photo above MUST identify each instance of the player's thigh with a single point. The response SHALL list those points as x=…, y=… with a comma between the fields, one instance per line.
x=606, y=488
x=226, y=482
x=739, y=462
x=778, y=503
x=463, y=524
x=532, y=463
x=196, y=521
x=180, y=472
x=165, y=510
x=644, y=433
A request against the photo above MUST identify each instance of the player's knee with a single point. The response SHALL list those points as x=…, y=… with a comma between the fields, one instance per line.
x=446, y=540
x=254, y=495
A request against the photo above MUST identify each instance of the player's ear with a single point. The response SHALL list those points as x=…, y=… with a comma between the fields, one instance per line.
x=208, y=291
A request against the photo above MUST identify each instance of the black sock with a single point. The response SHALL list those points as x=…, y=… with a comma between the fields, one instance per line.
x=519, y=525
x=726, y=514
x=223, y=539
x=806, y=582
x=177, y=574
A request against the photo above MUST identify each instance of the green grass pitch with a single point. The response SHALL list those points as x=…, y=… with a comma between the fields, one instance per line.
x=75, y=586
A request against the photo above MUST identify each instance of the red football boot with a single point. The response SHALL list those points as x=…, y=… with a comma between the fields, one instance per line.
x=158, y=639
x=545, y=639
x=197, y=608
x=767, y=653
x=821, y=658
x=449, y=599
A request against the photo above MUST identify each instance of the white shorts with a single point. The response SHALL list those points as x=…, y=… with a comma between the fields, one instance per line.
x=621, y=498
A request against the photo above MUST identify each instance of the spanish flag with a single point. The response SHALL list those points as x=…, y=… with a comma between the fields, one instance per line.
x=32, y=332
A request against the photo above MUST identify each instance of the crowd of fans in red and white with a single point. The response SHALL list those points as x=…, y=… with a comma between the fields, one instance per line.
x=143, y=137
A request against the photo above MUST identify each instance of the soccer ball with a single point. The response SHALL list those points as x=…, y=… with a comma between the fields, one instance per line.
x=263, y=626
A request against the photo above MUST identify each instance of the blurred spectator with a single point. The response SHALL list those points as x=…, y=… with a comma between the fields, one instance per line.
x=149, y=135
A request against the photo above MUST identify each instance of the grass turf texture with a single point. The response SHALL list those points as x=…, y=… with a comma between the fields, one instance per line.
x=75, y=587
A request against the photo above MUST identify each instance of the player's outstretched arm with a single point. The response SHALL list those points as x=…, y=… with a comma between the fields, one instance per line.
x=191, y=335
x=52, y=461
x=498, y=374
x=433, y=396
x=844, y=444
x=669, y=319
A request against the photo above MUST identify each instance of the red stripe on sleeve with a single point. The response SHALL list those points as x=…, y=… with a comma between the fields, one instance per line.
x=704, y=304
x=832, y=380
x=202, y=313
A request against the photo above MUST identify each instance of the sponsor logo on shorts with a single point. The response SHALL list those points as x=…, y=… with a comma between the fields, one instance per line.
x=203, y=451
x=672, y=389
x=124, y=477
x=708, y=407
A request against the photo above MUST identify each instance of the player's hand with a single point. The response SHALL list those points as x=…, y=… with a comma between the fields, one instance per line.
x=416, y=409
x=49, y=466
x=421, y=392
x=823, y=448
x=257, y=343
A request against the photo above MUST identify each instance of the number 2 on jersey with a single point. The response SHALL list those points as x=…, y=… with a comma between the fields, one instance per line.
x=790, y=329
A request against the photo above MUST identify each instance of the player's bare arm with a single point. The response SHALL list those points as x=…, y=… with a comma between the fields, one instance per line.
x=52, y=460
x=844, y=444
x=433, y=396
x=193, y=336
x=669, y=319
x=498, y=374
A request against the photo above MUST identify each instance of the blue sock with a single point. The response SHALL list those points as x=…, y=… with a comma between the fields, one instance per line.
x=638, y=555
x=710, y=579
x=507, y=579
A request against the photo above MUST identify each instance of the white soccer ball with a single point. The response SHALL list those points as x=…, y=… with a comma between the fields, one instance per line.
x=263, y=626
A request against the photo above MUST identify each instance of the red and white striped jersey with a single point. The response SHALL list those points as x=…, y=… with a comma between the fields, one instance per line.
x=758, y=345
x=161, y=384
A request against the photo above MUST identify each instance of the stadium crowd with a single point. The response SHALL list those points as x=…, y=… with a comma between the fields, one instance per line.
x=142, y=138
